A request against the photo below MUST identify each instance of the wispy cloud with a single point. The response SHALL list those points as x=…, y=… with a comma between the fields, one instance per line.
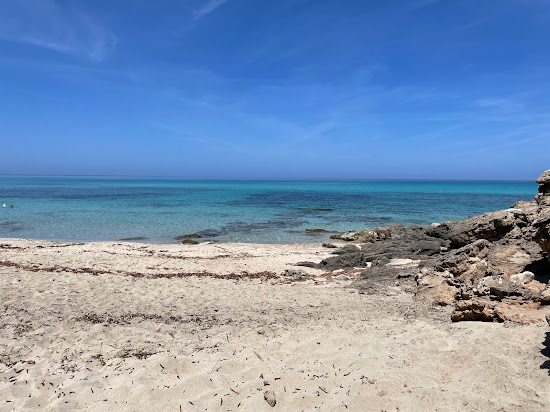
x=46, y=24
x=207, y=8
x=500, y=104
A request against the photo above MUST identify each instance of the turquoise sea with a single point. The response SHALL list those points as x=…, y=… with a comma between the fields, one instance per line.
x=159, y=210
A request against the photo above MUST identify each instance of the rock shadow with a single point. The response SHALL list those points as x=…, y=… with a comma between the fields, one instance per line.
x=541, y=269
x=546, y=352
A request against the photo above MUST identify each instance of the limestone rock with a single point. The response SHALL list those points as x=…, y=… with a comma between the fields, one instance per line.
x=490, y=226
x=522, y=278
x=467, y=263
x=523, y=205
x=347, y=236
x=543, y=198
x=435, y=289
x=541, y=224
x=474, y=310
x=488, y=311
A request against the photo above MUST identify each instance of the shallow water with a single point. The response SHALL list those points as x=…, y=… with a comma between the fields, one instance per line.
x=159, y=210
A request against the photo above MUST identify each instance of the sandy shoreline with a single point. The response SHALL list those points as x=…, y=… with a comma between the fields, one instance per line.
x=132, y=326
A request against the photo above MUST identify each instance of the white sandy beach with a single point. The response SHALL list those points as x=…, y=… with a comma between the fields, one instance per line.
x=127, y=327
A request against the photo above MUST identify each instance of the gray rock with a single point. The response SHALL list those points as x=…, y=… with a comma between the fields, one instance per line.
x=490, y=226
x=346, y=249
x=296, y=274
x=307, y=264
x=543, y=198
x=345, y=261
x=347, y=236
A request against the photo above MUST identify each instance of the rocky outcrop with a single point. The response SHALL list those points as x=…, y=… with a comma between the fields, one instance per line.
x=493, y=267
x=490, y=226
x=543, y=198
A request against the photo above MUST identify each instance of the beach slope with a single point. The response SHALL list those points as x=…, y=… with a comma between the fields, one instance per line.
x=121, y=326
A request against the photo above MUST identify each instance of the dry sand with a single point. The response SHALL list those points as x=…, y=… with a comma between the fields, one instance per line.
x=120, y=326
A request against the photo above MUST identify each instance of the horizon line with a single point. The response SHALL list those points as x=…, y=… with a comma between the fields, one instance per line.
x=325, y=179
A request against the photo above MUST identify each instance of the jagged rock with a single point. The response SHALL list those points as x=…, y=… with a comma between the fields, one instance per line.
x=365, y=236
x=467, y=263
x=347, y=236
x=329, y=245
x=545, y=296
x=345, y=261
x=510, y=289
x=541, y=224
x=543, y=198
x=490, y=226
x=511, y=258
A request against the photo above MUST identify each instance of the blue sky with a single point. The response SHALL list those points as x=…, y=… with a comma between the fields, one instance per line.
x=276, y=89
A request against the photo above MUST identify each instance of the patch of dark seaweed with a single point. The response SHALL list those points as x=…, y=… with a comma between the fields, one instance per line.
x=240, y=227
x=265, y=275
x=12, y=226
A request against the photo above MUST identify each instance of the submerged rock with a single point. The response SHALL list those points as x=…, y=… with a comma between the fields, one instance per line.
x=189, y=236
x=189, y=242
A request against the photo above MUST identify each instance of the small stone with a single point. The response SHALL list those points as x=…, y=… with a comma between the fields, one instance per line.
x=269, y=396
